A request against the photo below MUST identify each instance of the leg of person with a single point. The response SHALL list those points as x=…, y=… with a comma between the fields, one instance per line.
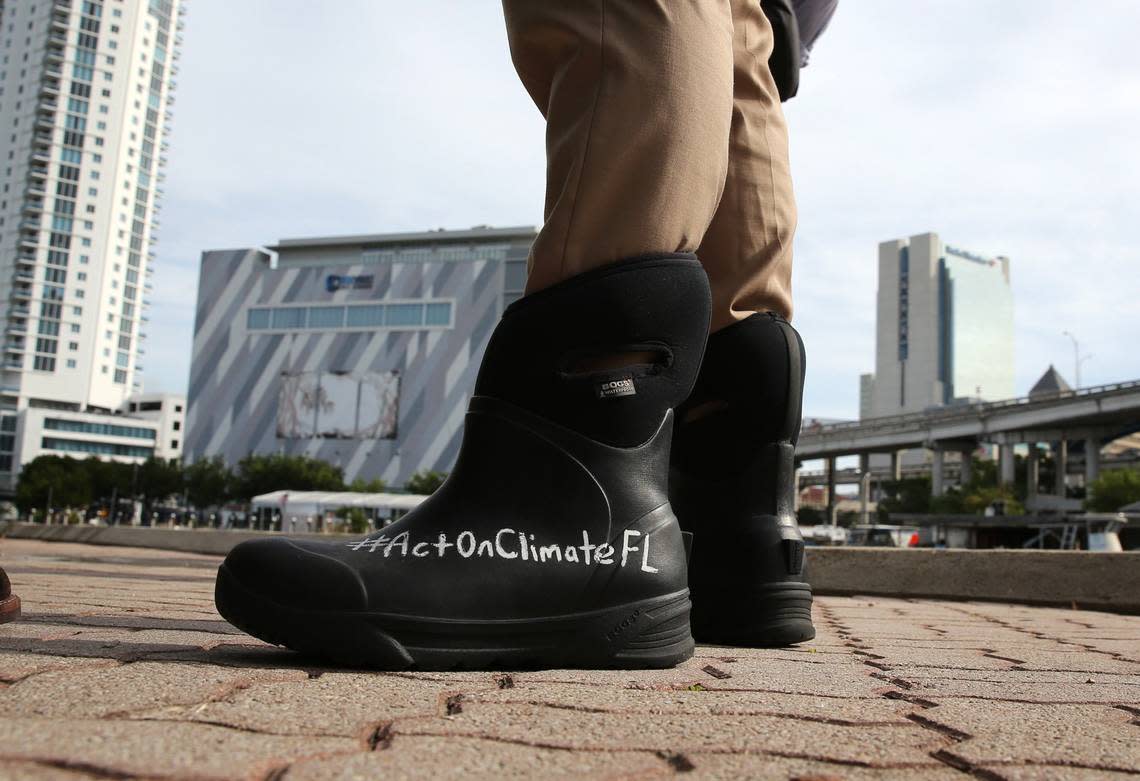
x=733, y=464
x=552, y=542
x=638, y=100
x=9, y=602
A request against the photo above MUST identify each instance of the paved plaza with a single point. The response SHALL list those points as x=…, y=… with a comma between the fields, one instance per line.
x=121, y=668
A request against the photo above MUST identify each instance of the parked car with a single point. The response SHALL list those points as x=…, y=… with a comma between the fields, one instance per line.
x=881, y=535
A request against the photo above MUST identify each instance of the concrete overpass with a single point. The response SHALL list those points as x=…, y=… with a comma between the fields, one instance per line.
x=1091, y=416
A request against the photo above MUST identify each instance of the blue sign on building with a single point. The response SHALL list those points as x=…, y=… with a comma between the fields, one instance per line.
x=335, y=282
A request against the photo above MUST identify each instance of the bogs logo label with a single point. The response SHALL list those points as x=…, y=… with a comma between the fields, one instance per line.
x=614, y=388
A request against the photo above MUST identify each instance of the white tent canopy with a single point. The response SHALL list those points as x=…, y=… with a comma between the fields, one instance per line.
x=310, y=503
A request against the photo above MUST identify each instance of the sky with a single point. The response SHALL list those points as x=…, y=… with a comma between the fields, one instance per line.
x=1009, y=128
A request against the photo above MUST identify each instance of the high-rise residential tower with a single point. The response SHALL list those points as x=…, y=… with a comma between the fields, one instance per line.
x=944, y=328
x=84, y=105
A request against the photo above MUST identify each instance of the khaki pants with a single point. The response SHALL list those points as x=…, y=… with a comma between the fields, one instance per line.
x=664, y=134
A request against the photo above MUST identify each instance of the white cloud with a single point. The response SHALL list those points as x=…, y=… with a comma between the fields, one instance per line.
x=1007, y=127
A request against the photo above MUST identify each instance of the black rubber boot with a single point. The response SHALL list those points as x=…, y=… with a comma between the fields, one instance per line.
x=9, y=602
x=732, y=484
x=552, y=542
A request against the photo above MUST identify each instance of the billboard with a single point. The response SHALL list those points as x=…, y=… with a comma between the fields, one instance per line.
x=338, y=405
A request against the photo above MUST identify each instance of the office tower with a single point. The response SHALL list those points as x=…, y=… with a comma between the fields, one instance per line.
x=84, y=106
x=944, y=328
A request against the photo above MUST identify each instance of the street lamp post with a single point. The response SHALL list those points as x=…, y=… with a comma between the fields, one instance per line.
x=1078, y=359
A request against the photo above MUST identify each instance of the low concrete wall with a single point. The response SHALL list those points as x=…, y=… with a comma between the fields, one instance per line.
x=1105, y=581
x=209, y=541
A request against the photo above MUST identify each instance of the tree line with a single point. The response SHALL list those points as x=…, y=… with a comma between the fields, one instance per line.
x=62, y=481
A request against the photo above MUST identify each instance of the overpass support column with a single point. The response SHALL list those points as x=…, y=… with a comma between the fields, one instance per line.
x=937, y=471
x=864, y=487
x=831, y=490
x=1061, y=462
x=896, y=465
x=966, y=471
x=1005, y=465
x=1092, y=460
x=1032, y=470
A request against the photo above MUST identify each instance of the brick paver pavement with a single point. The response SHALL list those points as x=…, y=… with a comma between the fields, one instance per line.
x=122, y=668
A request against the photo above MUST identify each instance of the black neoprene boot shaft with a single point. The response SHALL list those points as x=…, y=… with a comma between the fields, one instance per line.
x=552, y=542
x=732, y=484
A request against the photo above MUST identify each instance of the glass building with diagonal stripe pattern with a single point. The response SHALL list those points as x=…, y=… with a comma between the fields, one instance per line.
x=358, y=350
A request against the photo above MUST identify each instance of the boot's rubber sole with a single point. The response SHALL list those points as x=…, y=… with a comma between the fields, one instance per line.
x=9, y=608
x=766, y=615
x=651, y=633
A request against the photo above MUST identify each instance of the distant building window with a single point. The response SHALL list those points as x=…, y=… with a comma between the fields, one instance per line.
x=174, y=444
x=366, y=316
x=326, y=317
x=437, y=314
x=257, y=319
x=98, y=448
x=398, y=315
x=100, y=429
x=289, y=317
x=404, y=314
